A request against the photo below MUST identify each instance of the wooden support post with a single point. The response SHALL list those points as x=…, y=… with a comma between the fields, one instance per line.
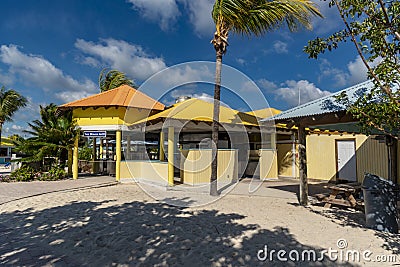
x=128, y=147
x=392, y=156
x=101, y=148
x=162, y=148
x=107, y=152
x=171, y=152
x=94, y=148
x=303, y=198
x=118, y=141
x=75, y=159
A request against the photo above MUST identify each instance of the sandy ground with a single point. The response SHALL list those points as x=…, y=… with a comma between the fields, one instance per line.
x=122, y=225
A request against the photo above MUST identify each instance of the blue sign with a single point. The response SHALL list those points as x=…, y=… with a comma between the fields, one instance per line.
x=94, y=133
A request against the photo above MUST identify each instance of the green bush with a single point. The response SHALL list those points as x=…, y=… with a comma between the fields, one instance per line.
x=23, y=174
x=85, y=153
x=55, y=173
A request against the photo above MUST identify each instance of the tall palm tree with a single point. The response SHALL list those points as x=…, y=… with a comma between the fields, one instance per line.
x=250, y=17
x=10, y=102
x=110, y=79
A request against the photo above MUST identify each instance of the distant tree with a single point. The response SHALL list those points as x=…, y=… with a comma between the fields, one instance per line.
x=51, y=136
x=250, y=17
x=373, y=27
x=10, y=102
x=110, y=79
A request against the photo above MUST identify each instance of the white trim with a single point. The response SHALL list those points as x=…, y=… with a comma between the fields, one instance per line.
x=113, y=127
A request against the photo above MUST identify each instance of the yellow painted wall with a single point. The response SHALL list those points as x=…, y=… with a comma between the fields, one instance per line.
x=196, y=166
x=285, y=160
x=268, y=163
x=371, y=156
x=147, y=170
x=109, y=116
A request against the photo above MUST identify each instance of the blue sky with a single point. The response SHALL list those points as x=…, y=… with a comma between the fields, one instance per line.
x=53, y=51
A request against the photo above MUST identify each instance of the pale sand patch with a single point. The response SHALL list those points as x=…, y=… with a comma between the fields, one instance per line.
x=121, y=225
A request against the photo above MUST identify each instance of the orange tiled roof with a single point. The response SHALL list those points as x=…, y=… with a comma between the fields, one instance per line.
x=123, y=96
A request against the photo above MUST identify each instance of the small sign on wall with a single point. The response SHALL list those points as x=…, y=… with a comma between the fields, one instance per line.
x=95, y=133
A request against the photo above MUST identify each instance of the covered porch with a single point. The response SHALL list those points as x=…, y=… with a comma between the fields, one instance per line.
x=184, y=147
x=102, y=118
x=329, y=146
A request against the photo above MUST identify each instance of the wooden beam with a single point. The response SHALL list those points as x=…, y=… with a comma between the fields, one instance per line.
x=392, y=156
x=329, y=118
x=303, y=198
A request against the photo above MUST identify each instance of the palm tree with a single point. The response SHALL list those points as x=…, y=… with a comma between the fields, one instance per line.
x=53, y=135
x=250, y=17
x=110, y=79
x=10, y=102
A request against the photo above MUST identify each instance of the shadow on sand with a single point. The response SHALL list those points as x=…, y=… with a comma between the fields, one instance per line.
x=138, y=233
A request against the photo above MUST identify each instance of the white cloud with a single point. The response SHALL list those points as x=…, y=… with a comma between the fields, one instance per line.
x=71, y=96
x=290, y=89
x=241, y=61
x=358, y=71
x=121, y=55
x=267, y=85
x=355, y=73
x=200, y=16
x=340, y=77
x=280, y=47
x=16, y=127
x=182, y=74
x=6, y=79
x=165, y=12
x=37, y=71
x=330, y=22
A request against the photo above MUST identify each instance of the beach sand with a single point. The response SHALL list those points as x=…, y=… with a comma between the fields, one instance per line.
x=121, y=225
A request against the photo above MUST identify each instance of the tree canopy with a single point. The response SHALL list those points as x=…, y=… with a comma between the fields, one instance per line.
x=373, y=27
x=51, y=136
x=110, y=79
x=10, y=102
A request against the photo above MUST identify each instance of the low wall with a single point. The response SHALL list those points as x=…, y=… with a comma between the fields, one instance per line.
x=196, y=166
x=268, y=163
x=152, y=171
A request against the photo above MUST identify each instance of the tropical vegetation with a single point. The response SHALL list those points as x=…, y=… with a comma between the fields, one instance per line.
x=10, y=102
x=52, y=136
x=373, y=28
x=110, y=79
x=250, y=17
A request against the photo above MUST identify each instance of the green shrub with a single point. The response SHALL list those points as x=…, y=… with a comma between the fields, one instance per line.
x=23, y=174
x=55, y=173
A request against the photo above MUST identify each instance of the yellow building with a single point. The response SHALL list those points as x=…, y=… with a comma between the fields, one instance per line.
x=334, y=148
x=187, y=127
x=145, y=141
x=105, y=116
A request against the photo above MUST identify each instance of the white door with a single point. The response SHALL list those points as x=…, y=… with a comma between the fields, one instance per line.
x=346, y=160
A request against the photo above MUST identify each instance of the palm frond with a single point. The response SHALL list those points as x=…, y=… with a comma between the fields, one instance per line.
x=110, y=79
x=256, y=17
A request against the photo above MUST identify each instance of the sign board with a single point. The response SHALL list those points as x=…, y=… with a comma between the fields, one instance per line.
x=94, y=133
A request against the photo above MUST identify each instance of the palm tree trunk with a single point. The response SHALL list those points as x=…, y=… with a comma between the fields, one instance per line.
x=1, y=129
x=69, y=162
x=215, y=123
